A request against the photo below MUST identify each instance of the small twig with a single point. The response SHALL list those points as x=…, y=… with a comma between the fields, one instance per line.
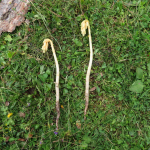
x=128, y=9
x=26, y=141
x=52, y=11
x=2, y=79
x=112, y=5
x=140, y=131
x=128, y=28
x=81, y=7
x=132, y=59
x=109, y=140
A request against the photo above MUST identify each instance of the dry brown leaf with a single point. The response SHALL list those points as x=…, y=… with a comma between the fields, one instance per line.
x=7, y=138
x=69, y=66
x=22, y=140
x=78, y=124
x=1, y=76
x=53, y=30
x=21, y=114
x=6, y=103
x=30, y=29
x=93, y=89
x=29, y=56
x=11, y=143
x=140, y=133
x=38, y=59
x=30, y=135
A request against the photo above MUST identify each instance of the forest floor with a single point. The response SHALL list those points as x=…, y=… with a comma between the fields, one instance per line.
x=118, y=117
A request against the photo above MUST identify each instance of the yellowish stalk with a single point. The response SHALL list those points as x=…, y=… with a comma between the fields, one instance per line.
x=44, y=48
x=84, y=25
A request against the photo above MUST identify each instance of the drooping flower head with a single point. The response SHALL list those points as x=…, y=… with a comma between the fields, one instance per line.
x=45, y=45
x=84, y=26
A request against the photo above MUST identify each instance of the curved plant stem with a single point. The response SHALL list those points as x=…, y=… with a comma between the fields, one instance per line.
x=84, y=25
x=44, y=48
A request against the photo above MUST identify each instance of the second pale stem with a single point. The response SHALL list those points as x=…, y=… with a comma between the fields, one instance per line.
x=88, y=74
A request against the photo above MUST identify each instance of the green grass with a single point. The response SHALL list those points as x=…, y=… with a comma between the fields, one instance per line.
x=119, y=111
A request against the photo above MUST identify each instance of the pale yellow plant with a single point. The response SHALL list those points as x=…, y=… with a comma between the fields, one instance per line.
x=84, y=25
x=45, y=48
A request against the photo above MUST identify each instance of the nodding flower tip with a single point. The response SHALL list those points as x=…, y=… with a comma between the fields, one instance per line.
x=45, y=45
x=84, y=26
